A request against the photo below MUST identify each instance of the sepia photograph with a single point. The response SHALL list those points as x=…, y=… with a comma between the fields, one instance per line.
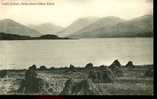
x=76, y=47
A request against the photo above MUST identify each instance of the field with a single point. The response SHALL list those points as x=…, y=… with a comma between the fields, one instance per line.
x=133, y=82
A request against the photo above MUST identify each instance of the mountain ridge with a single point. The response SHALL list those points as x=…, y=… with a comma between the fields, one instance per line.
x=87, y=27
x=102, y=22
x=140, y=27
x=77, y=25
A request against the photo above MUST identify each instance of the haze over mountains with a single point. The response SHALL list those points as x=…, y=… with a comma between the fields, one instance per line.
x=47, y=28
x=91, y=27
x=77, y=25
x=12, y=27
x=101, y=23
x=116, y=27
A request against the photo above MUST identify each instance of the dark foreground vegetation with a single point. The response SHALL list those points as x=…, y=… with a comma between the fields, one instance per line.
x=89, y=80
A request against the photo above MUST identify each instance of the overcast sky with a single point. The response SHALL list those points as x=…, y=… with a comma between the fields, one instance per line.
x=64, y=12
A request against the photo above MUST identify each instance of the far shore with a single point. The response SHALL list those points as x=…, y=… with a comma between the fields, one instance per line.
x=9, y=36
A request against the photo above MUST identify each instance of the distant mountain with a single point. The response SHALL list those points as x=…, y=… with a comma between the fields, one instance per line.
x=12, y=27
x=77, y=25
x=47, y=28
x=138, y=27
x=103, y=22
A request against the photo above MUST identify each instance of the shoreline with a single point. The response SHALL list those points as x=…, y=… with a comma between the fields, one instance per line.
x=69, y=38
x=9, y=36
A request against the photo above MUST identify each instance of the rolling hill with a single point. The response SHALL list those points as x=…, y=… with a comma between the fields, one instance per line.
x=12, y=27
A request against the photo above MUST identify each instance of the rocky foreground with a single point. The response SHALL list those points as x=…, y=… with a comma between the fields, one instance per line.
x=90, y=80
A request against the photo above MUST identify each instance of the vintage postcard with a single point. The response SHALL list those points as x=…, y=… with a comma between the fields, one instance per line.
x=76, y=47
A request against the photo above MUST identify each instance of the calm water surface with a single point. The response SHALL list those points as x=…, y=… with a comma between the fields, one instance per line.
x=23, y=53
